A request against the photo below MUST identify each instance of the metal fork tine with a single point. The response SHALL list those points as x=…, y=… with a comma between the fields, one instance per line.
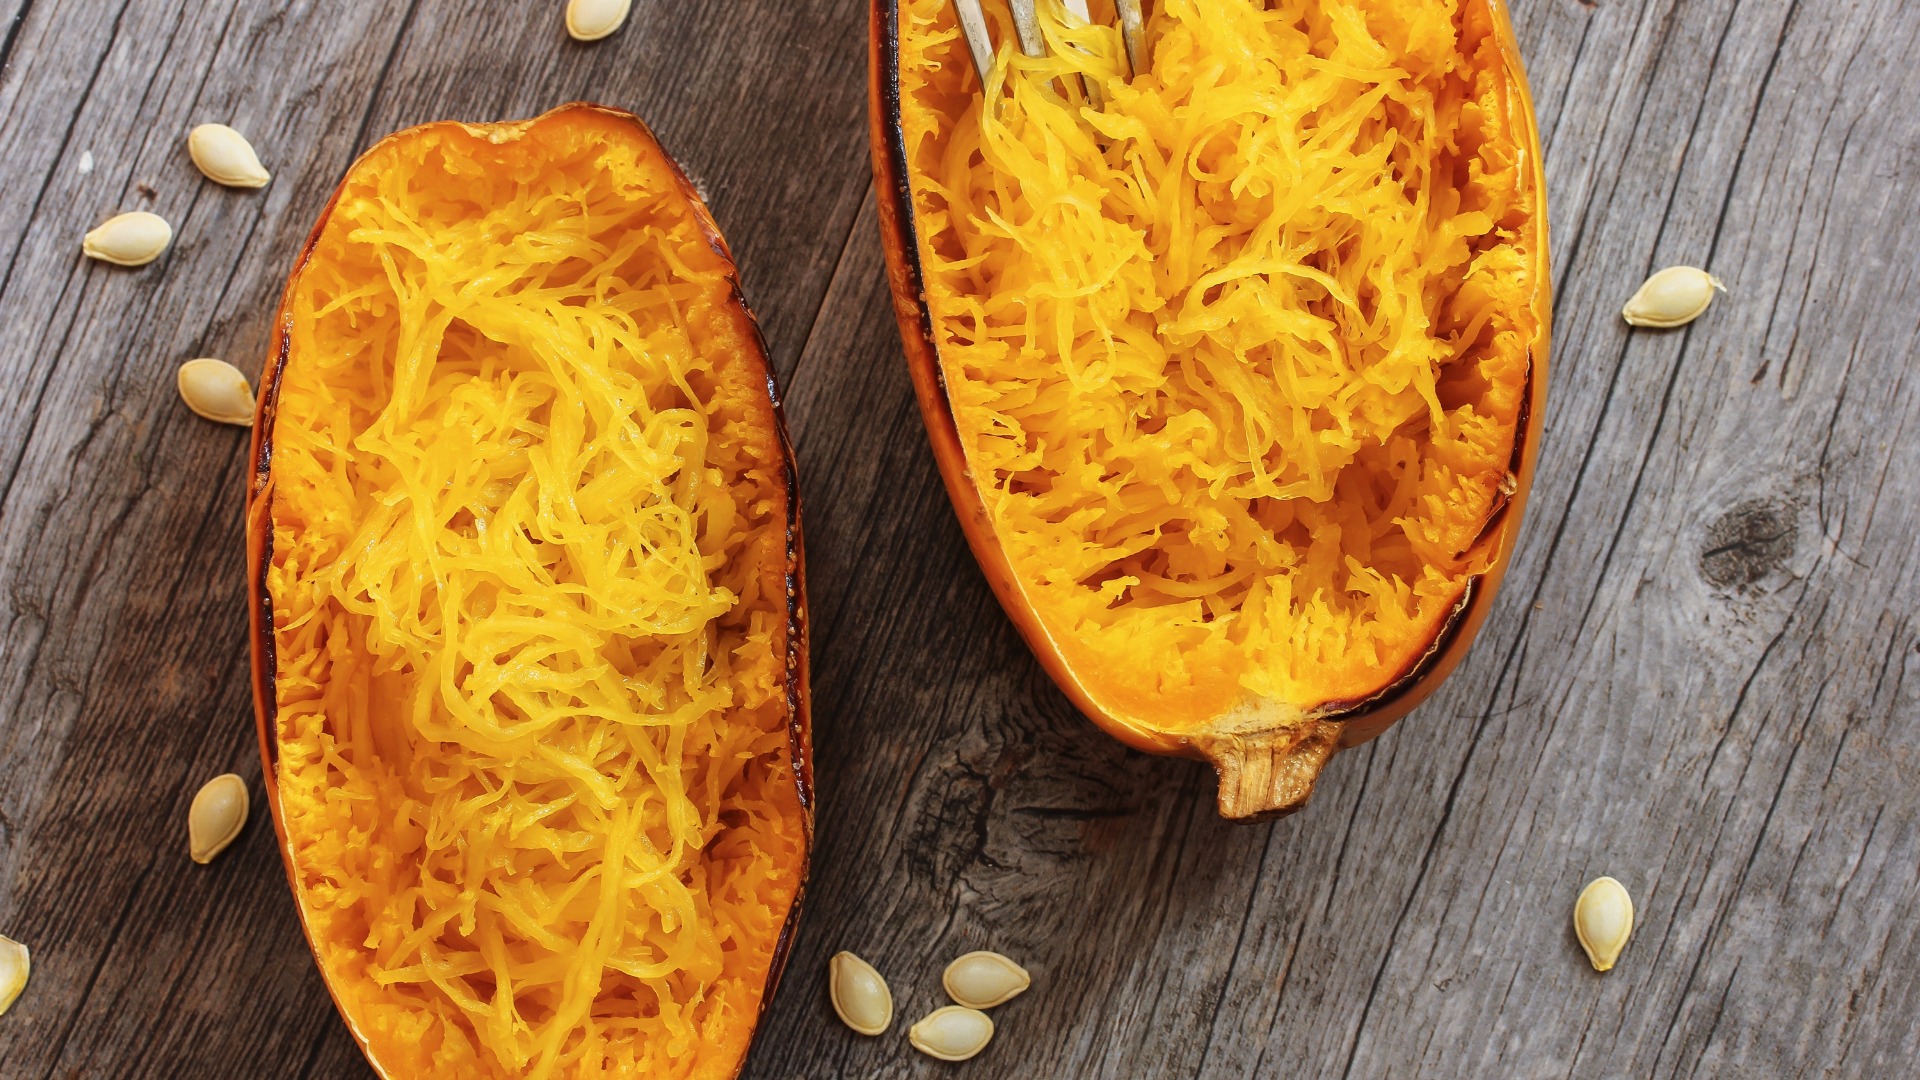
x=973, y=22
x=1026, y=24
x=1133, y=32
x=1078, y=9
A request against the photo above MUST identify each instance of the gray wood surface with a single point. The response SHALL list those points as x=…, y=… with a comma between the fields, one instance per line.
x=1703, y=676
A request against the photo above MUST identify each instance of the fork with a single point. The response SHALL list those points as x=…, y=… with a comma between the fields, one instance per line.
x=1026, y=25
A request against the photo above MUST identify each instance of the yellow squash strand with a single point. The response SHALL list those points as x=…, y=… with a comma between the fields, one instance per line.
x=534, y=753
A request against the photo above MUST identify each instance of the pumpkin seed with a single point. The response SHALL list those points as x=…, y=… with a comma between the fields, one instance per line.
x=591, y=20
x=981, y=980
x=859, y=994
x=218, y=813
x=1673, y=297
x=952, y=1033
x=1603, y=921
x=226, y=157
x=216, y=390
x=14, y=968
x=135, y=238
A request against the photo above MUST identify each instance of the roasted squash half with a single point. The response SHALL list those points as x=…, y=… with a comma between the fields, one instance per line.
x=1233, y=366
x=529, y=645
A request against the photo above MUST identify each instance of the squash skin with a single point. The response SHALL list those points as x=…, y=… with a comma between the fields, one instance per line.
x=1263, y=773
x=259, y=532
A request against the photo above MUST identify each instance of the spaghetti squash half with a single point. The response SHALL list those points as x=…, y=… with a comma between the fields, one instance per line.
x=1232, y=363
x=529, y=654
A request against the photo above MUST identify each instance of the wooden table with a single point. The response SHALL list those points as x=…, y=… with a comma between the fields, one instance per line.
x=1703, y=676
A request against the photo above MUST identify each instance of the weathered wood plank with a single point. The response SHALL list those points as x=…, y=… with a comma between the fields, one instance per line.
x=1703, y=677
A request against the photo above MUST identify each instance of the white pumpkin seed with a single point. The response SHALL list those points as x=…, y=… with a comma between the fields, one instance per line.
x=1603, y=921
x=216, y=390
x=952, y=1033
x=226, y=157
x=135, y=238
x=218, y=813
x=1673, y=297
x=14, y=969
x=981, y=980
x=591, y=20
x=859, y=994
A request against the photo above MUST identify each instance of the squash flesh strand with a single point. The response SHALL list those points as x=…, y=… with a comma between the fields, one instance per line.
x=1238, y=359
x=530, y=620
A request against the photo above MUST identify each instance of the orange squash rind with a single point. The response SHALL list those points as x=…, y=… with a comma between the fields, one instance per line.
x=566, y=987
x=1268, y=749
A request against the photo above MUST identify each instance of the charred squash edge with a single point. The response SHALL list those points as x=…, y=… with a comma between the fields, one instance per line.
x=260, y=548
x=1262, y=774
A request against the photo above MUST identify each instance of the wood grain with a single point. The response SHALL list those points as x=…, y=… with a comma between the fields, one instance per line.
x=1703, y=676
